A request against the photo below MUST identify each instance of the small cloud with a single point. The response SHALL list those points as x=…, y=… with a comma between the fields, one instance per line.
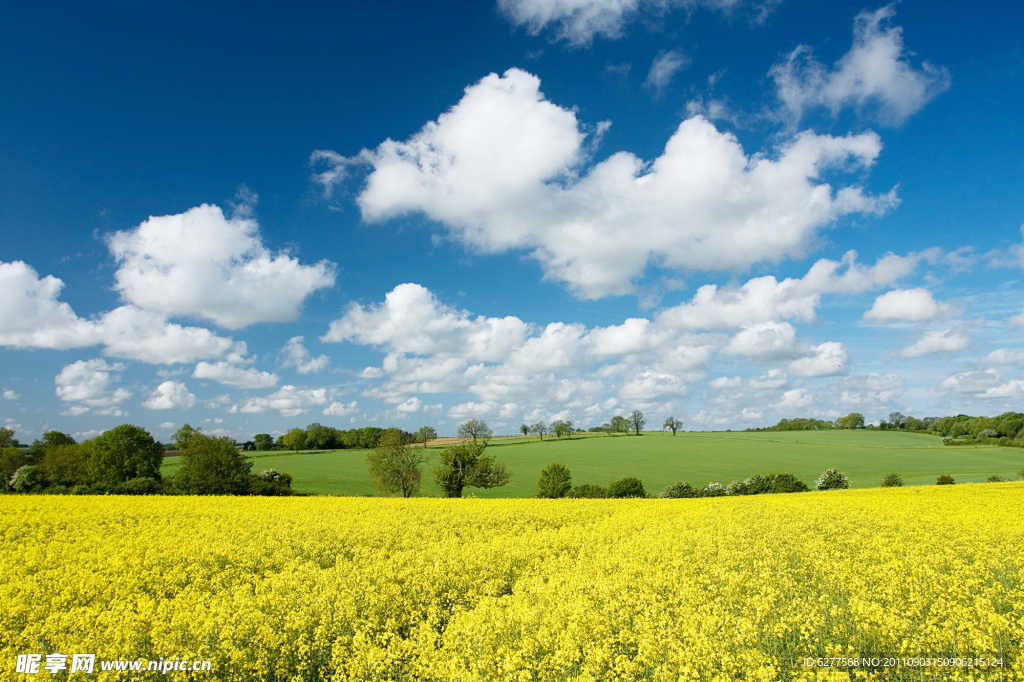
x=664, y=68
x=10, y=395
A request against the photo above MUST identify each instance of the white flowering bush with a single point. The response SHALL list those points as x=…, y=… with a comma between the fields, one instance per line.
x=713, y=490
x=833, y=479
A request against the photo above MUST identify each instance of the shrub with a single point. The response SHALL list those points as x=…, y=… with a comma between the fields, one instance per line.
x=627, y=487
x=944, y=479
x=588, y=492
x=736, y=488
x=996, y=479
x=270, y=483
x=892, y=481
x=678, y=490
x=212, y=466
x=555, y=482
x=832, y=479
x=26, y=479
x=713, y=490
x=786, y=483
x=143, y=485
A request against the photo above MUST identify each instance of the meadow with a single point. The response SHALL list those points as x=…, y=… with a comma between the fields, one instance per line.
x=662, y=459
x=320, y=588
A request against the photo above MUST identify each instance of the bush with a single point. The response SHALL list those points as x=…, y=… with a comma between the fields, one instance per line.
x=555, y=482
x=26, y=479
x=678, y=490
x=627, y=487
x=736, y=488
x=892, y=481
x=588, y=492
x=143, y=485
x=270, y=483
x=944, y=479
x=212, y=466
x=832, y=479
x=786, y=483
x=713, y=490
x=996, y=479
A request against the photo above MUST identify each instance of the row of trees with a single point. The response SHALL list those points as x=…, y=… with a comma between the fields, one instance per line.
x=397, y=468
x=1009, y=425
x=127, y=460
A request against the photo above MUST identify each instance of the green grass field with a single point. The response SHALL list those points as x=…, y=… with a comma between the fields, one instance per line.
x=661, y=459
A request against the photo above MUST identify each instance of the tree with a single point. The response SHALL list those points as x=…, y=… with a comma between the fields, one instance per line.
x=475, y=429
x=637, y=421
x=673, y=424
x=318, y=437
x=627, y=487
x=67, y=464
x=11, y=459
x=832, y=479
x=892, y=481
x=183, y=435
x=561, y=428
x=896, y=419
x=540, y=428
x=294, y=440
x=212, y=466
x=394, y=466
x=944, y=479
x=425, y=435
x=263, y=441
x=7, y=439
x=125, y=452
x=524, y=429
x=465, y=465
x=619, y=424
x=555, y=482
x=854, y=420
x=51, y=439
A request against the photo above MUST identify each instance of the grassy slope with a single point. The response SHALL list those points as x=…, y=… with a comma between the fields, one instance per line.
x=660, y=459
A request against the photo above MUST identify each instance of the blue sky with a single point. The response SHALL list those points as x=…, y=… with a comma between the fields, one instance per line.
x=253, y=217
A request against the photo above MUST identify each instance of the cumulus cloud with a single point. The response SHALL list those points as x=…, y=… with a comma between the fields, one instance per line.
x=202, y=264
x=486, y=409
x=664, y=68
x=289, y=401
x=1016, y=320
x=867, y=392
x=874, y=77
x=765, y=341
x=908, y=305
x=413, y=404
x=294, y=354
x=233, y=375
x=1005, y=356
x=972, y=382
x=578, y=22
x=8, y=394
x=87, y=385
x=336, y=409
x=170, y=395
x=828, y=359
x=133, y=334
x=942, y=341
x=505, y=169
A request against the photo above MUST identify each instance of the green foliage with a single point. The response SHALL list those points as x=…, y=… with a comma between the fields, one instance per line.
x=425, y=435
x=263, y=441
x=51, y=439
x=271, y=483
x=142, y=485
x=7, y=439
x=67, y=465
x=125, y=452
x=476, y=429
x=713, y=490
x=892, y=481
x=588, y=491
x=672, y=424
x=627, y=487
x=996, y=479
x=524, y=429
x=540, y=428
x=295, y=439
x=619, y=424
x=802, y=424
x=561, y=428
x=465, y=465
x=636, y=421
x=944, y=479
x=395, y=466
x=11, y=459
x=832, y=480
x=679, y=490
x=854, y=420
x=555, y=481
x=27, y=479
x=212, y=466
x=183, y=435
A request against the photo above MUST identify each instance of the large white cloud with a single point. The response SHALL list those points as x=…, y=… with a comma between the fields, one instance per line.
x=87, y=385
x=294, y=354
x=908, y=305
x=939, y=341
x=202, y=264
x=289, y=401
x=579, y=21
x=233, y=375
x=170, y=395
x=506, y=169
x=875, y=76
x=828, y=359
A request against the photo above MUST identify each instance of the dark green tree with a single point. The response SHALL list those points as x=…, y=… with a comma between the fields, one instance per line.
x=295, y=439
x=183, y=435
x=395, y=466
x=263, y=441
x=627, y=487
x=555, y=482
x=892, y=481
x=68, y=464
x=7, y=439
x=425, y=435
x=51, y=439
x=465, y=465
x=637, y=421
x=524, y=429
x=212, y=466
x=125, y=452
x=619, y=424
x=540, y=428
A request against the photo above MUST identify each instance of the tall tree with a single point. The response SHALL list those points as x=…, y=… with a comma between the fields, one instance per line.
x=212, y=466
x=555, y=482
x=263, y=441
x=295, y=439
x=425, y=435
x=395, y=466
x=637, y=421
x=524, y=429
x=540, y=428
x=673, y=424
x=465, y=464
x=896, y=419
x=475, y=429
x=7, y=439
x=619, y=424
x=183, y=435
x=125, y=452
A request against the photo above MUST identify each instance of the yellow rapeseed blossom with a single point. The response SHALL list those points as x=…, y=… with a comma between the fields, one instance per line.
x=540, y=590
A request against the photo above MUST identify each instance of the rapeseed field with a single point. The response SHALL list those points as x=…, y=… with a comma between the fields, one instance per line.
x=385, y=589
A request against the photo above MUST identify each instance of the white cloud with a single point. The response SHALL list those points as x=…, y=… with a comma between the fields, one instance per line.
x=201, y=264
x=505, y=169
x=10, y=395
x=875, y=76
x=794, y=399
x=829, y=359
x=289, y=401
x=1005, y=356
x=134, y=334
x=232, y=375
x=579, y=21
x=648, y=385
x=868, y=392
x=972, y=382
x=765, y=341
x=664, y=68
x=294, y=354
x=1011, y=389
x=413, y=404
x=943, y=341
x=167, y=425
x=908, y=305
x=170, y=395
x=1016, y=320
x=487, y=409
x=336, y=409
x=87, y=384
x=726, y=382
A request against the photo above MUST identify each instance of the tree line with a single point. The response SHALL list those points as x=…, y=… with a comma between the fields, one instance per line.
x=1007, y=427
